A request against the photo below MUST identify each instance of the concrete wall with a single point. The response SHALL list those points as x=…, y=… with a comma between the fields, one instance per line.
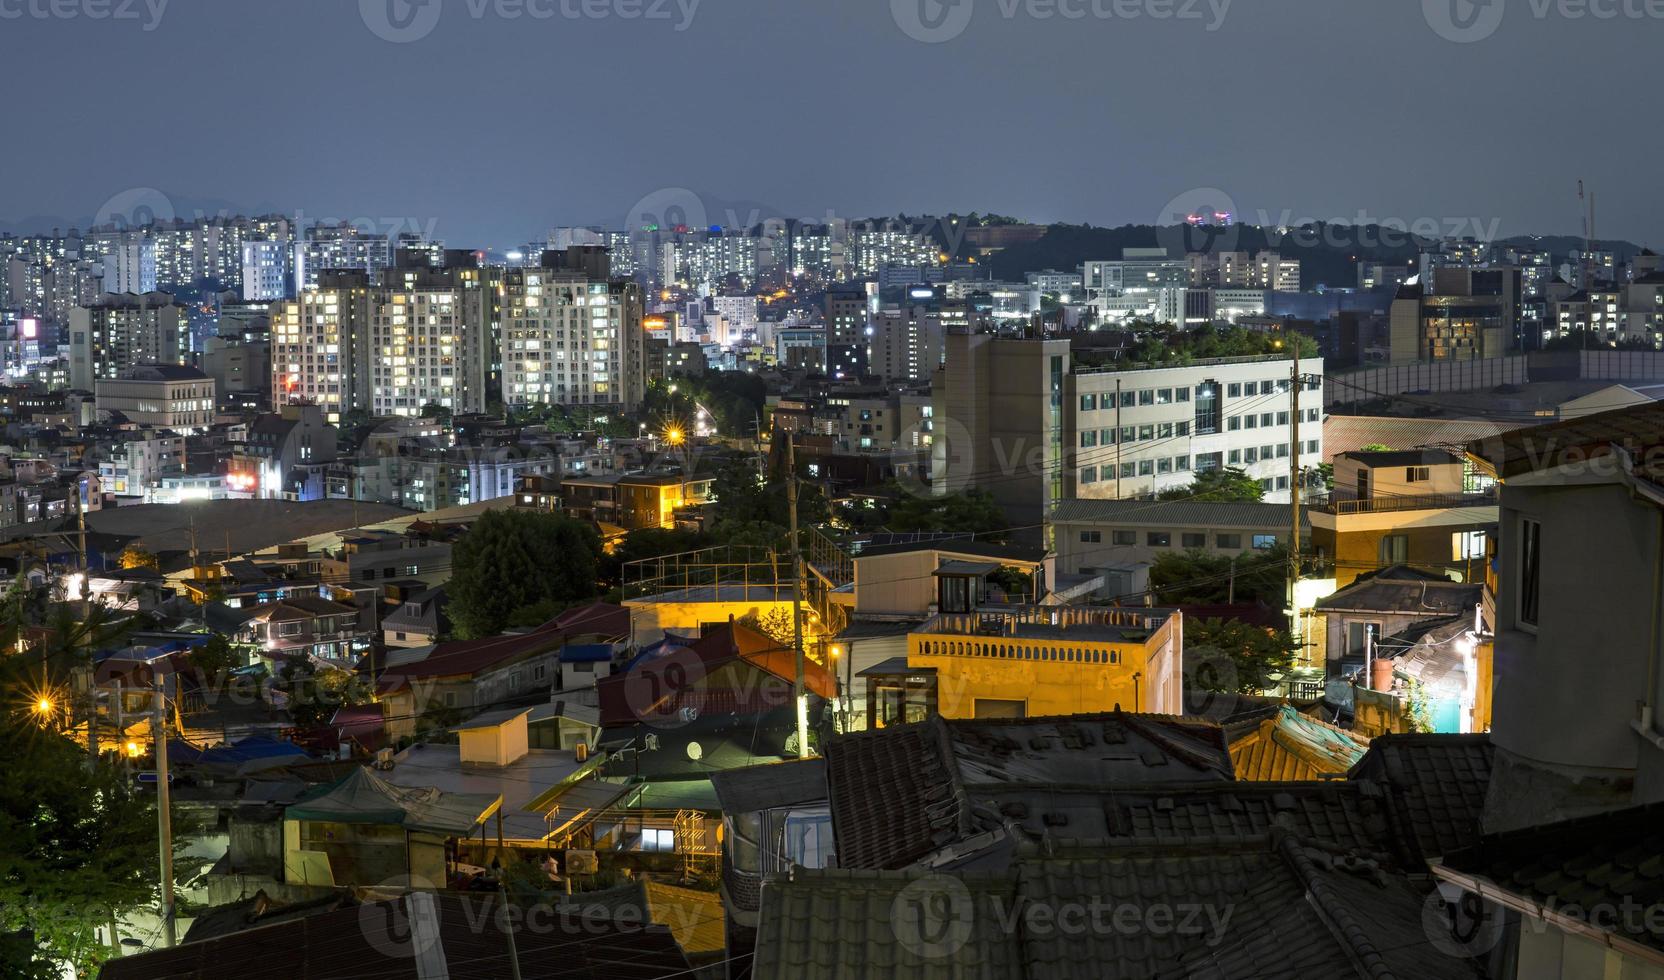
x=1400, y=379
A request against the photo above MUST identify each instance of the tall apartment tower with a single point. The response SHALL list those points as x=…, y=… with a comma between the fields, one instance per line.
x=120, y=330
x=320, y=345
x=571, y=335
x=432, y=328
x=846, y=333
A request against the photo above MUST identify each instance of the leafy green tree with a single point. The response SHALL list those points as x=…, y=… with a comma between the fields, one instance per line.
x=80, y=840
x=1222, y=485
x=1248, y=654
x=511, y=559
x=1203, y=578
x=436, y=411
x=973, y=511
x=649, y=542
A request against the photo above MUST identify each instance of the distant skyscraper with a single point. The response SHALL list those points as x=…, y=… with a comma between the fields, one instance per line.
x=265, y=270
x=328, y=247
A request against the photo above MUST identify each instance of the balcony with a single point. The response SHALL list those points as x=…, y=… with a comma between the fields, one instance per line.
x=1048, y=622
x=1344, y=503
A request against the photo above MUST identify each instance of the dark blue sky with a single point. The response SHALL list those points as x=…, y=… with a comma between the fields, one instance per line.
x=496, y=124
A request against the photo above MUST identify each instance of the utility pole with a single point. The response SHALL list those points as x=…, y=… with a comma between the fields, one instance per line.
x=798, y=692
x=1295, y=475
x=86, y=619
x=508, y=928
x=164, y=815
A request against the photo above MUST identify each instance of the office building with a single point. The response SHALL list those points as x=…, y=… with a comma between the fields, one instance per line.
x=164, y=396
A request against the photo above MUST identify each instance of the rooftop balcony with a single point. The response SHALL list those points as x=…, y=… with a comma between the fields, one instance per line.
x=1345, y=502
x=1097, y=624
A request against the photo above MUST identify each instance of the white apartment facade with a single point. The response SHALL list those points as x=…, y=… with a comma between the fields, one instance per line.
x=568, y=339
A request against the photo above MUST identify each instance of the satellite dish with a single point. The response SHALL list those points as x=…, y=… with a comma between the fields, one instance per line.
x=694, y=751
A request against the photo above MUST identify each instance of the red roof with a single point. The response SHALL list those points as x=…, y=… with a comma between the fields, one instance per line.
x=685, y=677
x=461, y=658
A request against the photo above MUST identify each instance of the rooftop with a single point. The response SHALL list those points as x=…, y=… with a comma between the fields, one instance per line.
x=902, y=794
x=1298, y=910
x=1435, y=786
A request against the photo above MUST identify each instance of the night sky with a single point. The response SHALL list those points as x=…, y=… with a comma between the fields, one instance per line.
x=496, y=124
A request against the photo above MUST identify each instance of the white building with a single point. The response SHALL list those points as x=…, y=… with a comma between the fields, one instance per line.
x=316, y=345
x=265, y=270
x=1141, y=431
x=165, y=396
x=339, y=247
x=569, y=339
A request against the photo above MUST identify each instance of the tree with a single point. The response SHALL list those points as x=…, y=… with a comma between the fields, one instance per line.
x=215, y=657
x=1233, y=657
x=315, y=694
x=973, y=511
x=1203, y=578
x=136, y=557
x=1375, y=447
x=1222, y=485
x=80, y=839
x=775, y=623
x=511, y=559
x=436, y=411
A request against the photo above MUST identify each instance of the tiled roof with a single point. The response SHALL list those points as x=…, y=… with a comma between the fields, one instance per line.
x=771, y=785
x=1263, y=906
x=1402, y=590
x=1610, y=861
x=1174, y=513
x=694, y=917
x=422, y=935
x=1435, y=787
x=1288, y=745
x=901, y=794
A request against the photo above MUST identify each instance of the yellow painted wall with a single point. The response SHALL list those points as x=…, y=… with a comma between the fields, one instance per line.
x=1053, y=677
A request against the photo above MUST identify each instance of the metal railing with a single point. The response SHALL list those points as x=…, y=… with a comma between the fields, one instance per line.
x=1006, y=621
x=1350, y=504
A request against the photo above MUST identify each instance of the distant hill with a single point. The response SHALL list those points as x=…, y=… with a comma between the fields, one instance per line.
x=1562, y=246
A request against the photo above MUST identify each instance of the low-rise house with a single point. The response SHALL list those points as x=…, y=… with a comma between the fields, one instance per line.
x=365, y=830
x=417, y=621
x=1422, y=508
x=1576, y=719
x=1356, y=619
x=1281, y=744
x=633, y=500
x=305, y=626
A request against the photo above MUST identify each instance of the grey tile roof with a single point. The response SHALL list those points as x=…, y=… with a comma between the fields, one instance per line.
x=1435, y=787
x=1609, y=861
x=1174, y=513
x=1268, y=906
x=901, y=794
x=1403, y=590
x=777, y=784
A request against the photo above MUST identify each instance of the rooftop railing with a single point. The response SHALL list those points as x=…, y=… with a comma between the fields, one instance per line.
x=1341, y=503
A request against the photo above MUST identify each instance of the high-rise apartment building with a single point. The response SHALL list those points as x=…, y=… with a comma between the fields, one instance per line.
x=121, y=330
x=846, y=333
x=571, y=335
x=336, y=247
x=431, y=331
x=318, y=341
x=266, y=269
